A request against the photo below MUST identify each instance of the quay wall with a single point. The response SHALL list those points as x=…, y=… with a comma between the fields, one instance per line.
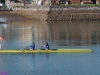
x=59, y=13
x=73, y=13
x=39, y=13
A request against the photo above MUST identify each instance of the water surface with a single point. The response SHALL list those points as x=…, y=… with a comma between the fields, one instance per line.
x=19, y=34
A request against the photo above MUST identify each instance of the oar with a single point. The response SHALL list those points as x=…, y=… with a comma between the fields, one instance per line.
x=22, y=51
x=27, y=50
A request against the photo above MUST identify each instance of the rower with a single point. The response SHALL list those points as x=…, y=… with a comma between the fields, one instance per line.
x=32, y=47
x=47, y=46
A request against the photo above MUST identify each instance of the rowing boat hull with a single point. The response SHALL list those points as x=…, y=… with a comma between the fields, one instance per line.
x=48, y=51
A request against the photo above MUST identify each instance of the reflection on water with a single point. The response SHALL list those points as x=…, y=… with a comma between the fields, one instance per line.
x=18, y=34
x=57, y=33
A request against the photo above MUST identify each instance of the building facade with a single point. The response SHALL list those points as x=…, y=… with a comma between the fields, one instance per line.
x=53, y=2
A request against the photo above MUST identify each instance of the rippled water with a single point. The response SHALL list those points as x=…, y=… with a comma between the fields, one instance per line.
x=19, y=34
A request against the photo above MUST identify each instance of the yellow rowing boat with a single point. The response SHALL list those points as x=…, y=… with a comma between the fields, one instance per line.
x=47, y=51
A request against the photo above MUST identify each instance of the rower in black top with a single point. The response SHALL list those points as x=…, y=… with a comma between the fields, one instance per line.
x=47, y=46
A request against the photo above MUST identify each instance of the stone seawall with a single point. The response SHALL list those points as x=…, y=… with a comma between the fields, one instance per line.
x=59, y=13
x=39, y=13
x=72, y=13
